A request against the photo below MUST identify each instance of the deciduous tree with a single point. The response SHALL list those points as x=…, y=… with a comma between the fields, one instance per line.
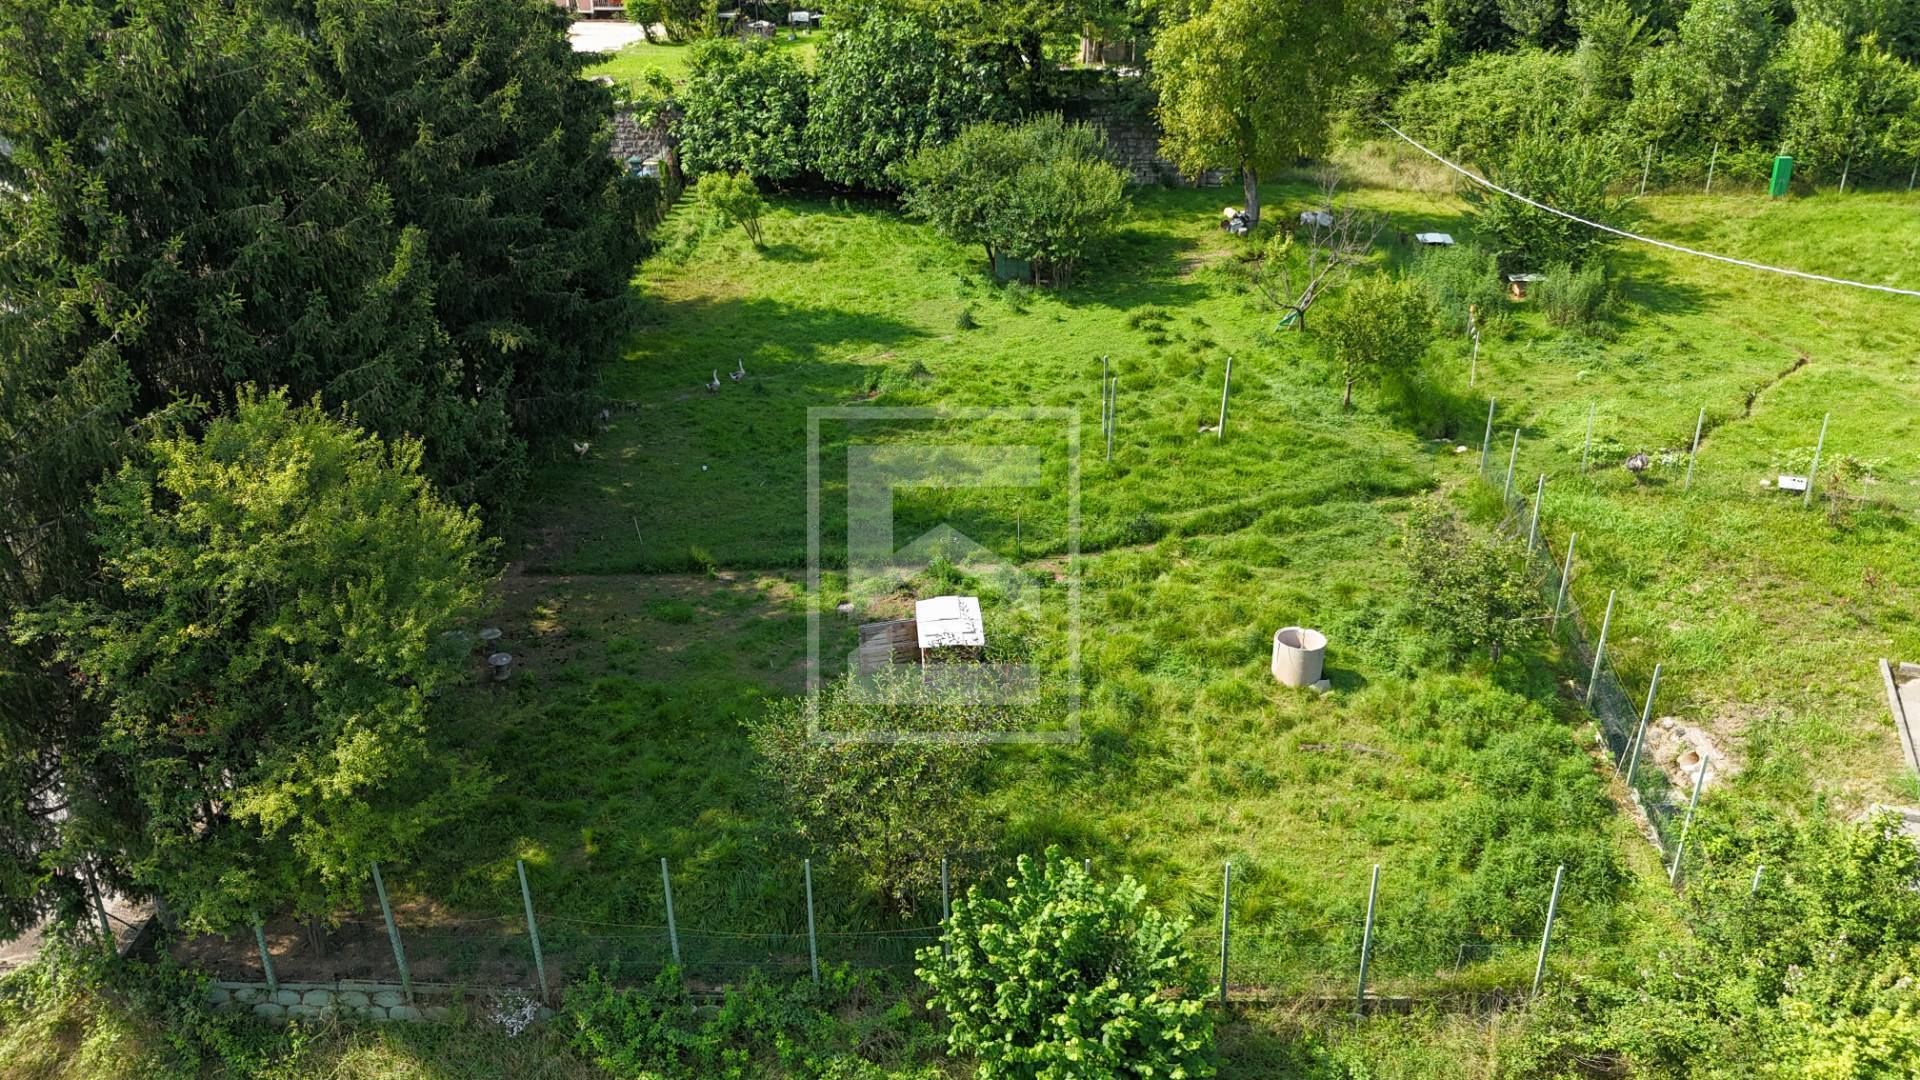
x=1252, y=84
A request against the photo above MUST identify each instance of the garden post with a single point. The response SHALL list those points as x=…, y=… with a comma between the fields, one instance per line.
x=1366, y=939
x=1566, y=577
x=1686, y=823
x=1487, y=439
x=1113, y=414
x=1695, y=452
x=1755, y=887
x=1645, y=169
x=1711, y=162
x=1546, y=937
x=1632, y=752
x=1600, y=650
x=1588, y=446
x=1814, y=473
x=393, y=933
x=946, y=909
x=1226, y=923
x=533, y=928
x=1226, y=384
x=266, y=958
x=1533, y=527
x=813, y=938
x=1473, y=367
x=673, y=931
x=1512, y=457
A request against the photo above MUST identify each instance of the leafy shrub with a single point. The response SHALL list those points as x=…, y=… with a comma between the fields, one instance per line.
x=735, y=199
x=888, y=809
x=763, y=1028
x=1476, y=109
x=1573, y=297
x=743, y=108
x=1042, y=191
x=1574, y=174
x=1069, y=977
x=1471, y=591
x=1383, y=329
x=1465, y=283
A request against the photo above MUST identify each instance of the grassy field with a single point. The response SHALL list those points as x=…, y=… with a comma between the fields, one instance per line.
x=671, y=58
x=658, y=596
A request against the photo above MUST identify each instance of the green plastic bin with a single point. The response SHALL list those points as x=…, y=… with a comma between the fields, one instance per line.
x=1782, y=176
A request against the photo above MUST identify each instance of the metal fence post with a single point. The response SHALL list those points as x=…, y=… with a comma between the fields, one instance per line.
x=1587, y=447
x=1695, y=452
x=1686, y=823
x=533, y=927
x=1512, y=456
x=946, y=907
x=1645, y=169
x=1566, y=576
x=1113, y=414
x=1711, y=162
x=1226, y=384
x=1546, y=937
x=393, y=933
x=1533, y=526
x=1226, y=923
x=1814, y=473
x=1632, y=753
x=266, y=958
x=1754, y=889
x=813, y=938
x=1366, y=939
x=1600, y=651
x=673, y=931
x=1486, y=441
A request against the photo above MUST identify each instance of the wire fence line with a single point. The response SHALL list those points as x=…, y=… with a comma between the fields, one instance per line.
x=1394, y=950
x=1621, y=715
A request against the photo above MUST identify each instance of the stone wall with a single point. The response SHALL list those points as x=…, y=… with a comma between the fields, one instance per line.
x=1135, y=141
x=376, y=1001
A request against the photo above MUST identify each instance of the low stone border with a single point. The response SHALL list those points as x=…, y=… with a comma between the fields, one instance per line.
x=360, y=1000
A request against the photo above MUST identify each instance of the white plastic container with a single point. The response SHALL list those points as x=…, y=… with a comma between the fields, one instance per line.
x=1299, y=655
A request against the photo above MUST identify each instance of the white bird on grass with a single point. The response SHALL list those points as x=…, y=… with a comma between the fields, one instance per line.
x=740, y=372
x=580, y=448
x=713, y=384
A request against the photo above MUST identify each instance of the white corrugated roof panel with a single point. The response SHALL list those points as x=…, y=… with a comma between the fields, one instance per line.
x=946, y=621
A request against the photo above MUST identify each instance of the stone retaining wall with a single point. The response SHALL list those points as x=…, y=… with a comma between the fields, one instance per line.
x=360, y=1000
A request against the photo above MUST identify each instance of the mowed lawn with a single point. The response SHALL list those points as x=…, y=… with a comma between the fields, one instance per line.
x=659, y=590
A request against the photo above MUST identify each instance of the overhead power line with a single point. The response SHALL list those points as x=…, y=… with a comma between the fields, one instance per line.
x=1536, y=204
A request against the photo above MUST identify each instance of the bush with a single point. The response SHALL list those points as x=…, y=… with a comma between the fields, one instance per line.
x=1383, y=330
x=1043, y=191
x=1574, y=175
x=1573, y=297
x=1462, y=279
x=1472, y=592
x=743, y=108
x=735, y=199
x=763, y=1028
x=1069, y=977
x=887, y=809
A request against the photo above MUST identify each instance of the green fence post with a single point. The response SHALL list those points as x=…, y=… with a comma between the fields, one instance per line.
x=1632, y=752
x=1546, y=937
x=1486, y=441
x=1366, y=940
x=1226, y=384
x=1512, y=457
x=1695, y=452
x=266, y=958
x=1680, y=847
x=1814, y=473
x=673, y=931
x=1226, y=922
x=533, y=928
x=1600, y=650
x=1566, y=576
x=1755, y=887
x=1533, y=526
x=813, y=940
x=393, y=933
